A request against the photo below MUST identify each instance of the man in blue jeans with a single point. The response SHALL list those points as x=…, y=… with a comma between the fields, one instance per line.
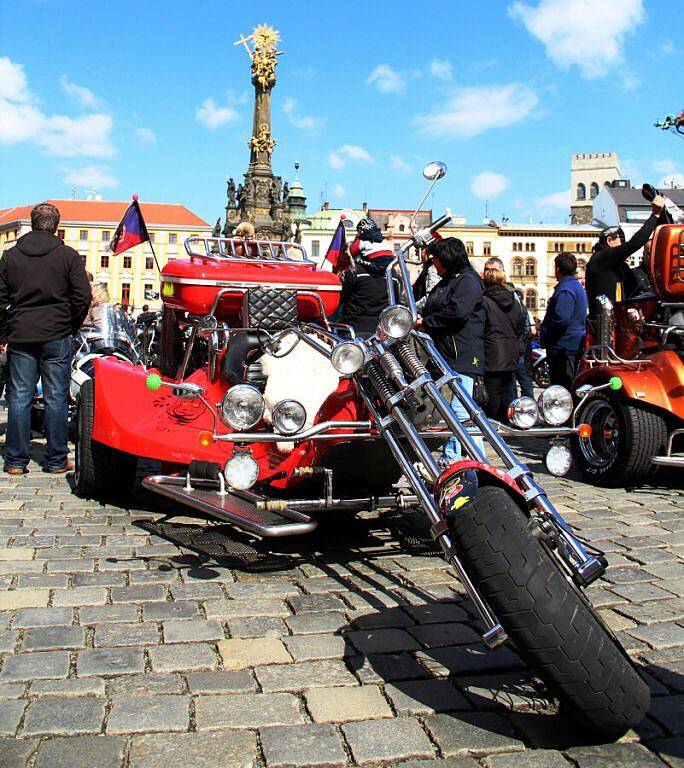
x=44, y=298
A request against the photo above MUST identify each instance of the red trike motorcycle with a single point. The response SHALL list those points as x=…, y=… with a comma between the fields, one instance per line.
x=265, y=414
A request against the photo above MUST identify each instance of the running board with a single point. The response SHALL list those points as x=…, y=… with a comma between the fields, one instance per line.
x=237, y=508
x=668, y=461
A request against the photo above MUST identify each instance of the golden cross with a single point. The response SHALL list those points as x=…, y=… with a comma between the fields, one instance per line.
x=244, y=40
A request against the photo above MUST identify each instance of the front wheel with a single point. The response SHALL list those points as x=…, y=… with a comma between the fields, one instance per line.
x=624, y=439
x=98, y=468
x=554, y=628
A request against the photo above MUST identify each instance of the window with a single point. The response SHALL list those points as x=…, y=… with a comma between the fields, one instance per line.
x=83, y=234
x=515, y=247
x=127, y=262
x=104, y=260
x=149, y=262
x=487, y=248
x=527, y=247
x=146, y=288
x=106, y=234
x=173, y=238
x=151, y=235
x=533, y=247
x=581, y=192
x=401, y=227
x=516, y=268
x=531, y=300
x=530, y=267
x=315, y=249
x=557, y=247
x=125, y=294
x=469, y=248
x=593, y=190
x=61, y=233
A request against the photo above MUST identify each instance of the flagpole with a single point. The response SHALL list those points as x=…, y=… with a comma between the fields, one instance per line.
x=154, y=255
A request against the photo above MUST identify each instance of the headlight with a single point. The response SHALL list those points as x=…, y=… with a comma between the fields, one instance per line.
x=523, y=413
x=241, y=471
x=395, y=322
x=242, y=407
x=288, y=416
x=348, y=357
x=558, y=460
x=555, y=405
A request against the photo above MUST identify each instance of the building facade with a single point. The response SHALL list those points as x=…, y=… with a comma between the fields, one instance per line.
x=89, y=225
x=588, y=174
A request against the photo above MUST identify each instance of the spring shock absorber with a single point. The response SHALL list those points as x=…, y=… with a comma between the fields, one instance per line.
x=379, y=381
x=410, y=360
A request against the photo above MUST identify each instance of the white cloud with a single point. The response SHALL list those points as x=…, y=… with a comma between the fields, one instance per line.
x=440, y=69
x=387, y=80
x=21, y=120
x=398, y=163
x=213, y=116
x=338, y=191
x=672, y=180
x=559, y=200
x=487, y=185
x=664, y=166
x=146, y=136
x=348, y=153
x=91, y=176
x=584, y=33
x=471, y=111
x=667, y=48
x=305, y=123
x=80, y=94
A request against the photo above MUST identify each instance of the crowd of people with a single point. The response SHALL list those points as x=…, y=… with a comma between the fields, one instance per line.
x=479, y=322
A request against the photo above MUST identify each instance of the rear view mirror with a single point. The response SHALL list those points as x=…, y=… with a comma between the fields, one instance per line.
x=434, y=170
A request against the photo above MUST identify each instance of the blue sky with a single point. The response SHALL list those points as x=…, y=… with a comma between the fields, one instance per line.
x=153, y=97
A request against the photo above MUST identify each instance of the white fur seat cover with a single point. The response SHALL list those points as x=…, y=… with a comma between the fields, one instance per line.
x=303, y=375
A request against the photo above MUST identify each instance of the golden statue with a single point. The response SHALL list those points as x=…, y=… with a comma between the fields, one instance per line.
x=265, y=40
x=263, y=142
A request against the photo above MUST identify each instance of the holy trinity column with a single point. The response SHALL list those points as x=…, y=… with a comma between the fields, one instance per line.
x=261, y=198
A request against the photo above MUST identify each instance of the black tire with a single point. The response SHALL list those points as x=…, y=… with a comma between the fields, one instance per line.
x=624, y=439
x=554, y=629
x=171, y=343
x=99, y=469
x=540, y=373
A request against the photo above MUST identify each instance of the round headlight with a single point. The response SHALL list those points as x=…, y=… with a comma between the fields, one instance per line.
x=348, y=357
x=523, y=413
x=558, y=460
x=241, y=471
x=395, y=322
x=555, y=405
x=242, y=407
x=288, y=417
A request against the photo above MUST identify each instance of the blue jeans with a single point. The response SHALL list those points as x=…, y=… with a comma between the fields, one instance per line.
x=452, y=448
x=51, y=362
x=524, y=378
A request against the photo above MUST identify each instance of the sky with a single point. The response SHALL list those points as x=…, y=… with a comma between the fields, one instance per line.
x=153, y=98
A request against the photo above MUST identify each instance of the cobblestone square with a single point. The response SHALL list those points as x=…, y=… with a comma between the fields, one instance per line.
x=129, y=641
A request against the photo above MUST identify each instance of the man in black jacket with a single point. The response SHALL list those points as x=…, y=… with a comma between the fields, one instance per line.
x=608, y=273
x=44, y=298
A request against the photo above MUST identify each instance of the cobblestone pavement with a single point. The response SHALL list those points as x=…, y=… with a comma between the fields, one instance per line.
x=131, y=641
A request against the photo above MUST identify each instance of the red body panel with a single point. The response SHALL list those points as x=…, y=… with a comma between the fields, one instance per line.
x=192, y=285
x=158, y=425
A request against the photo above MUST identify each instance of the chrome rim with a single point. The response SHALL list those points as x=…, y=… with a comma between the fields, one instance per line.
x=601, y=448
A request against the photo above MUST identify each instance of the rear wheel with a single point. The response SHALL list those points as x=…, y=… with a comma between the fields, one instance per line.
x=624, y=439
x=554, y=628
x=98, y=468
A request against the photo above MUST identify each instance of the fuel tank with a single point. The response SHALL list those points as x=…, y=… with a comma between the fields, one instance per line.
x=667, y=262
x=192, y=285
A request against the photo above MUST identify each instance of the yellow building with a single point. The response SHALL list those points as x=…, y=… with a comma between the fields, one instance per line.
x=88, y=226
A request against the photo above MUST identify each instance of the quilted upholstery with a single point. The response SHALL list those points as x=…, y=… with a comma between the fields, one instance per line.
x=272, y=310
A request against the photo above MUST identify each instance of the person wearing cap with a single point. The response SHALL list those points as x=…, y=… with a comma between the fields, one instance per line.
x=364, y=287
x=608, y=273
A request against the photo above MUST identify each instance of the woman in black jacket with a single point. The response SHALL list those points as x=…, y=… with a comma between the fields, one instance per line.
x=503, y=328
x=454, y=316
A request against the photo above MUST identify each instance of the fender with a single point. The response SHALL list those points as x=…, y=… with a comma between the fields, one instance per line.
x=660, y=385
x=458, y=485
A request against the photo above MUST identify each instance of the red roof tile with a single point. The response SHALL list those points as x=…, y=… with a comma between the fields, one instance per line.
x=106, y=212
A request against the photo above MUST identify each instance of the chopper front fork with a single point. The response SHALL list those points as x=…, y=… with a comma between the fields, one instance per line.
x=494, y=634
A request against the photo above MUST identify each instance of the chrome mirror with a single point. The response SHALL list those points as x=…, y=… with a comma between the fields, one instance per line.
x=435, y=170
